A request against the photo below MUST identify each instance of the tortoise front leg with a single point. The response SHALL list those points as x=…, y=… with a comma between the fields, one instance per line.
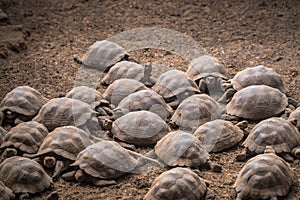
x=59, y=166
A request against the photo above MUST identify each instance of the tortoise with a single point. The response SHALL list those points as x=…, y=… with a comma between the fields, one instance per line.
x=102, y=55
x=24, y=176
x=127, y=69
x=140, y=128
x=276, y=132
x=182, y=149
x=64, y=111
x=219, y=135
x=5, y=192
x=21, y=104
x=179, y=183
x=101, y=163
x=256, y=102
x=265, y=176
x=120, y=89
x=60, y=148
x=144, y=100
x=175, y=86
x=296, y=115
x=2, y=134
x=195, y=111
x=209, y=74
x=26, y=138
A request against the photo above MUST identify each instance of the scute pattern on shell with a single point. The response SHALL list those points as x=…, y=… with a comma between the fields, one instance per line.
x=144, y=100
x=24, y=100
x=103, y=54
x=195, y=111
x=5, y=192
x=218, y=135
x=26, y=136
x=264, y=176
x=140, y=128
x=105, y=160
x=177, y=184
x=296, y=115
x=275, y=132
x=179, y=148
x=259, y=75
x=24, y=175
x=257, y=102
x=66, y=142
x=121, y=88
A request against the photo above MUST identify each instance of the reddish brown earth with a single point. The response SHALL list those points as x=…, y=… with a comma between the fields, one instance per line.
x=39, y=41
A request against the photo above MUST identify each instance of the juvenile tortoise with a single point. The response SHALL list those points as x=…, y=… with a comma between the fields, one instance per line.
x=144, y=100
x=219, y=135
x=64, y=111
x=140, y=128
x=178, y=184
x=5, y=192
x=265, y=176
x=120, y=89
x=26, y=138
x=295, y=115
x=21, y=104
x=276, y=132
x=24, y=176
x=60, y=148
x=256, y=102
x=194, y=111
x=175, y=86
x=127, y=69
x=209, y=74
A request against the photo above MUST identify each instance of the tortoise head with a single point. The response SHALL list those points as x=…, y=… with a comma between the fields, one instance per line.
x=49, y=161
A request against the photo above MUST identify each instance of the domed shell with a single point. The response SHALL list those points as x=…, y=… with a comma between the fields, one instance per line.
x=23, y=100
x=275, y=132
x=257, y=102
x=195, y=111
x=5, y=192
x=144, y=100
x=26, y=136
x=121, y=88
x=124, y=69
x=175, y=86
x=177, y=184
x=103, y=54
x=204, y=66
x=105, y=160
x=259, y=75
x=60, y=112
x=179, y=148
x=296, y=115
x=140, y=128
x=264, y=176
x=66, y=142
x=218, y=135
x=23, y=175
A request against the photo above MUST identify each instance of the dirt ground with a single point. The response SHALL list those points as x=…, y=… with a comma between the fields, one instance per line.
x=41, y=37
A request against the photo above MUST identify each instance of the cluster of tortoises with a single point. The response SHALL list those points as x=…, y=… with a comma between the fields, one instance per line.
x=87, y=136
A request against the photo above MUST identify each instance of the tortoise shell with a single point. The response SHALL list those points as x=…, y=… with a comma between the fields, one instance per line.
x=105, y=160
x=124, y=69
x=257, y=102
x=179, y=148
x=5, y=192
x=103, y=54
x=23, y=100
x=144, y=100
x=65, y=142
x=26, y=137
x=121, y=88
x=296, y=115
x=175, y=86
x=259, y=75
x=140, y=128
x=60, y=112
x=23, y=175
x=264, y=176
x=195, y=111
x=275, y=132
x=177, y=183
x=218, y=135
